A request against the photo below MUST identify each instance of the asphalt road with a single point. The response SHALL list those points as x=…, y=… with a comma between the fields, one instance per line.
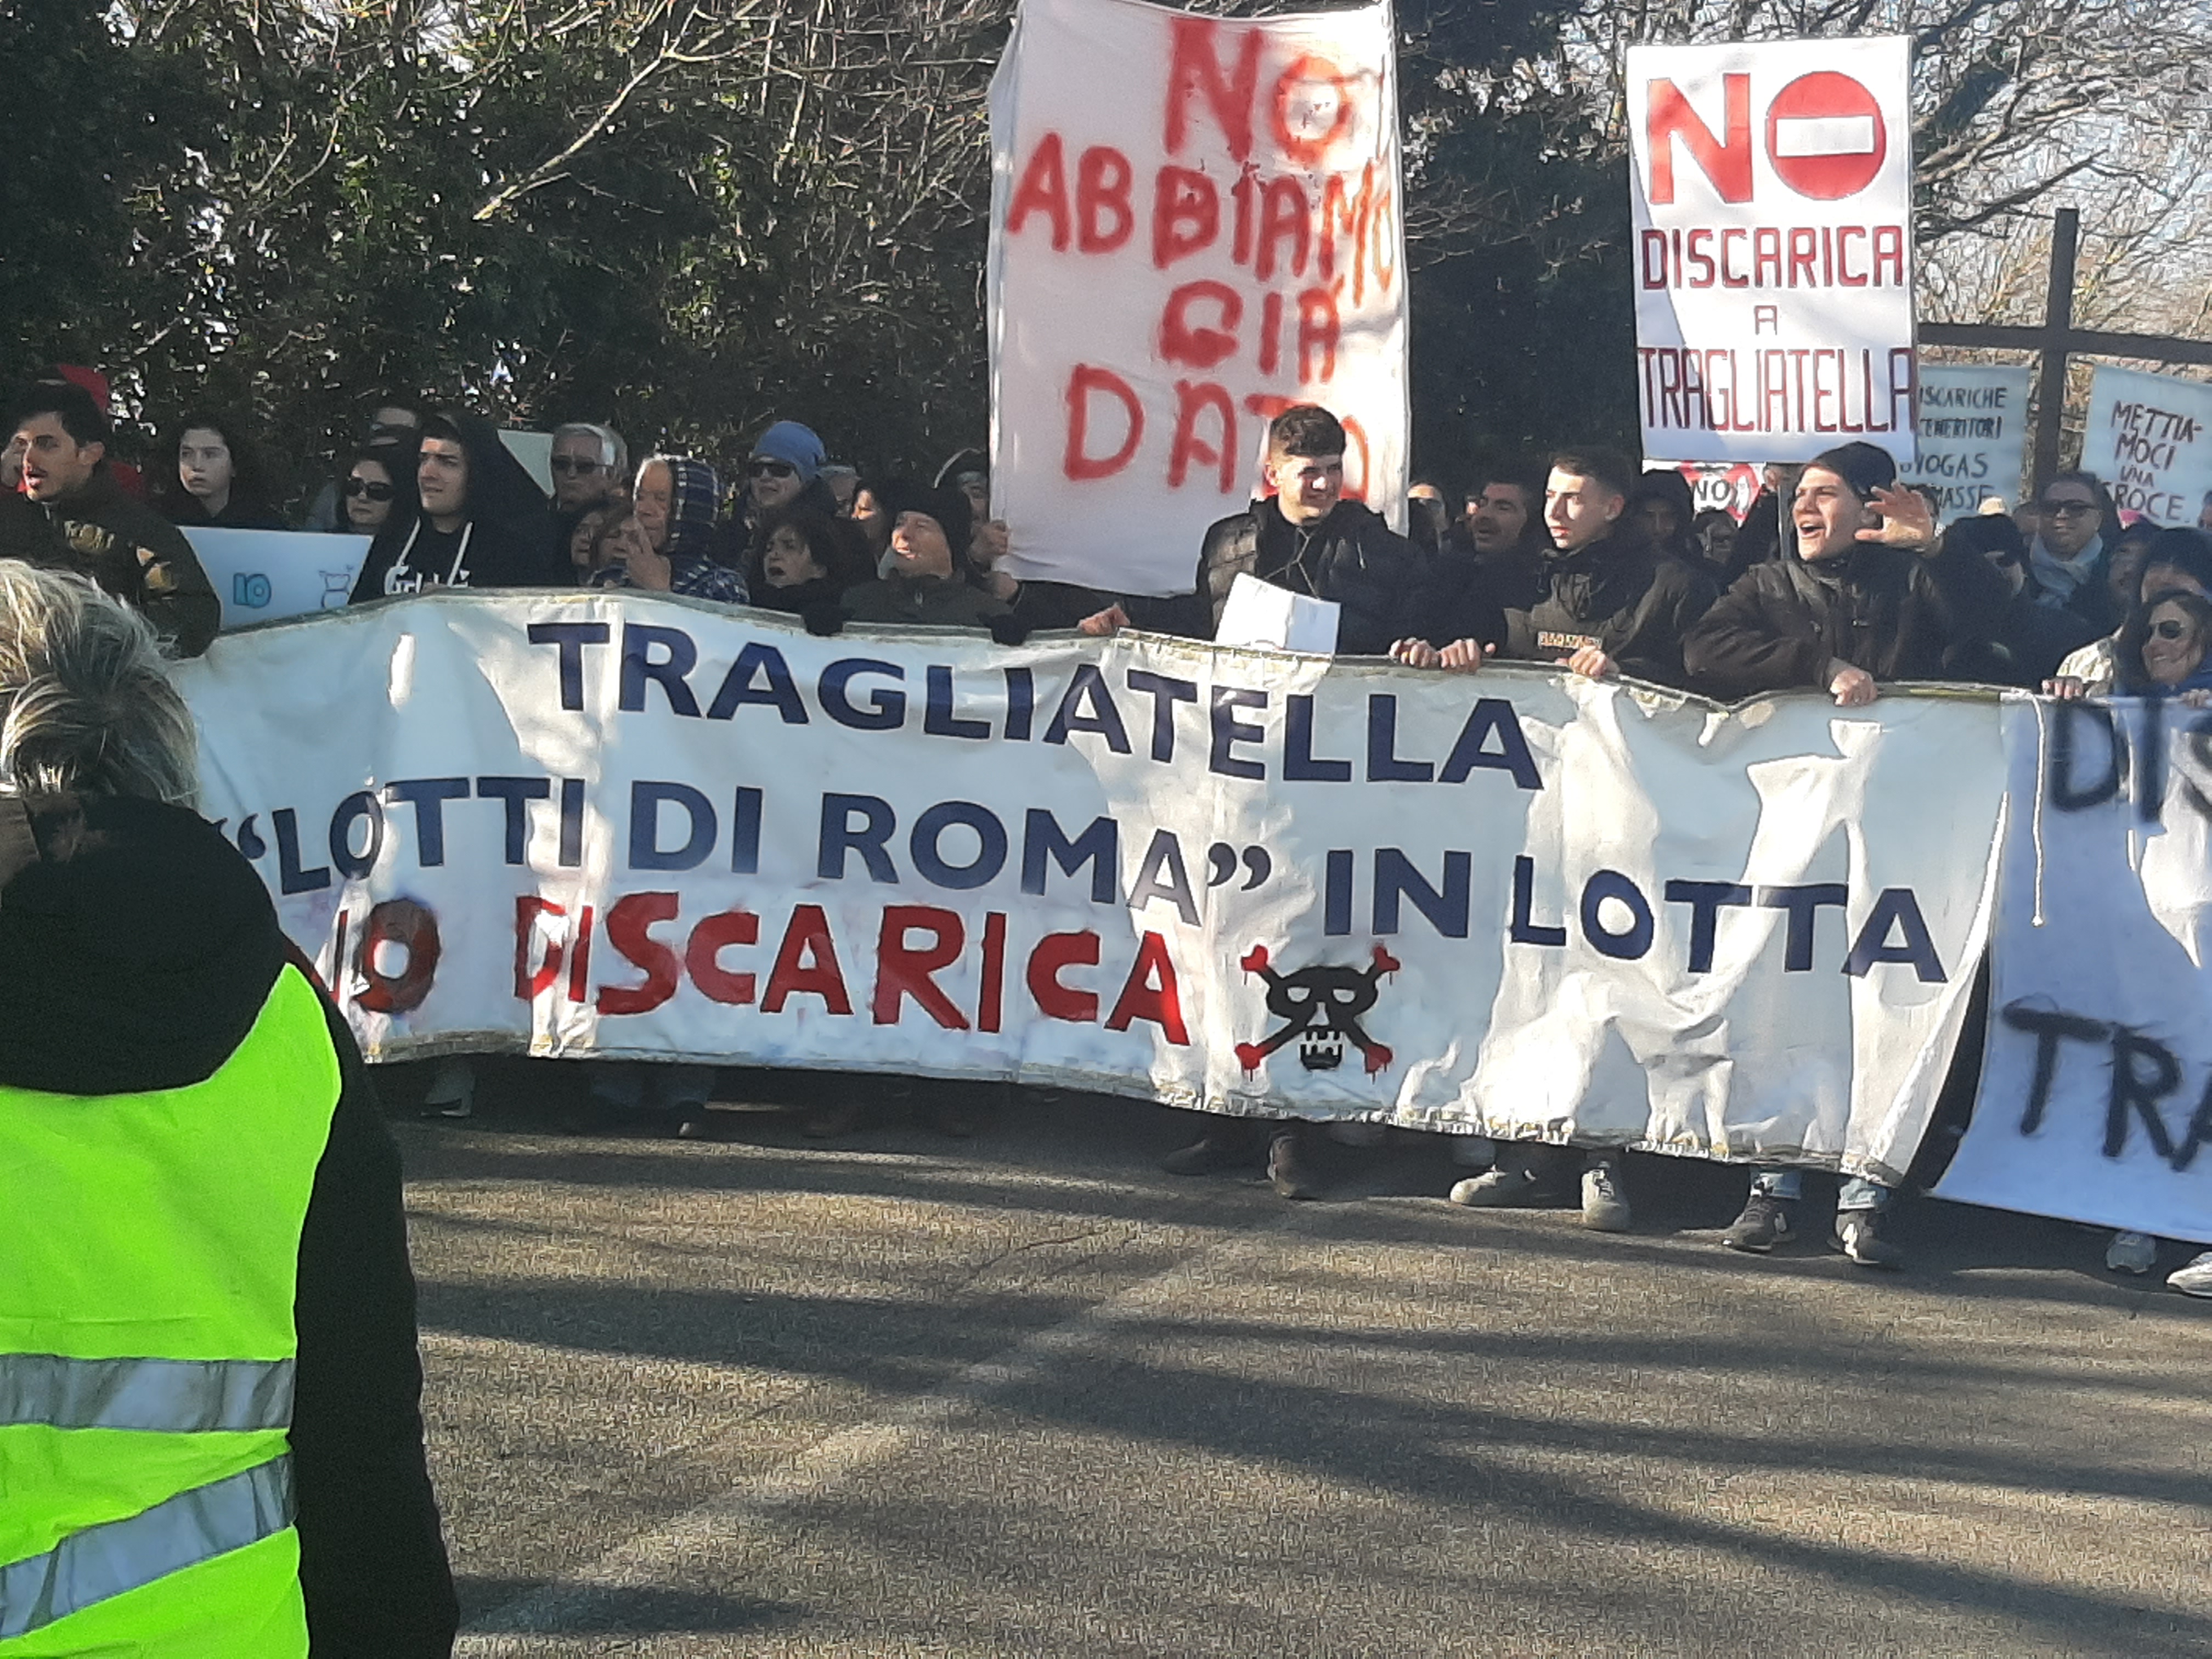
x=1024, y=1394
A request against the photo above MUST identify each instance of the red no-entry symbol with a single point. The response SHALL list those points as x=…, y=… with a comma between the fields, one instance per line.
x=1825, y=136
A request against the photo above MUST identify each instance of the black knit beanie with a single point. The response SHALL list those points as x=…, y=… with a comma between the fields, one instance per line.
x=1864, y=467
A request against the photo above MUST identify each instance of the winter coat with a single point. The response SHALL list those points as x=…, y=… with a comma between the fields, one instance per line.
x=934, y=601
x=1457, y=598
x=239, y=512
x=1894, y=614
x=140, y=557
x=1617, y=594
x=135, y=955
x=1351, y=558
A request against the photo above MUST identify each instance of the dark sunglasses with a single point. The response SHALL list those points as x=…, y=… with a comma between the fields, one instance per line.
x=2073, y=509
x=2171, y=630
x=772, y=470
x=375, y=492
x=575, y=463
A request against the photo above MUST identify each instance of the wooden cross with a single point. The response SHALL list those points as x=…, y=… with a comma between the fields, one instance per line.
x=2057, y=339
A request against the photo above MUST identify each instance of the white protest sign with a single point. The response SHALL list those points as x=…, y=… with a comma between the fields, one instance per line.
x=265, y=575
x=2149, y=438
x=1195, y=222
x=1520, y=902
x=1271, y=618
x=2096, y=1093
x=1771, y=195
x=1973, y=436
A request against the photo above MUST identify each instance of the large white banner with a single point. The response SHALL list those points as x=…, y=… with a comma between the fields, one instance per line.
x=1974, y=434
x=1772, y=192
x=2096, y=1096
x=2149, y=438
x=1195, y=222
x=1521, y=902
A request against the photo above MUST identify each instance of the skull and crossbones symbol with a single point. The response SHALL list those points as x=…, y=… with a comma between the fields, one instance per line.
x=1320, y=1006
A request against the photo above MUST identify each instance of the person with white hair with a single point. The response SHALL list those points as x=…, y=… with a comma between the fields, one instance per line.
x=590, y=471
x=208, y=1350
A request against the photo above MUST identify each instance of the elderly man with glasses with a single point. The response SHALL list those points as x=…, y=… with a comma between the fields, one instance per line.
x=591, y=468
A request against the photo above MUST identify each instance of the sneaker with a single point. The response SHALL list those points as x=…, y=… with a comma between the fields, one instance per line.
x=1605, y=1206
x=1219, y=1147
x=2196, y=1279
x=2131, y=1253
x=1286, y=1170
x=1504, y=1189
x=1473, y=1152
x=452, y=1092
x=1763, y=1223
x=1858, y=1236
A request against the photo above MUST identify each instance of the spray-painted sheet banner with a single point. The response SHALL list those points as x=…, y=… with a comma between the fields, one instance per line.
x=1195, y=224
x=1514, y=901
x=2096, y=1096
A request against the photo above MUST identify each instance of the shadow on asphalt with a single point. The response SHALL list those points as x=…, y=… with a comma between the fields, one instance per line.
x=640, y=1610
x=1100, y=1155
x=1476, y=1460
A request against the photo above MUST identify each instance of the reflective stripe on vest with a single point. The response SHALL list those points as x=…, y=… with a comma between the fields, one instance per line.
x=161, y=1396
x=100, y=1562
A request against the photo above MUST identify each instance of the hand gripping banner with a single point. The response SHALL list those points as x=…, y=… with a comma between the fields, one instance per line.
x=1514, y=902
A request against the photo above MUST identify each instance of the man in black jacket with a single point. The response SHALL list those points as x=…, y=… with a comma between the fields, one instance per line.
x=483, y=523
x=140, y=958
x=1309, y=539
x=1612, y=604
x=1305, y=537
x=1485, y=566
x=122, y=543
x=1868, y=594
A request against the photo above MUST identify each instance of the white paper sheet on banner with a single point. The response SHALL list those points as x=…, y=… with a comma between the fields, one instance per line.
x=1519, y=900
x=2098, y=1068
x=1195, y=222
x=1270, y=618
x=267, y=575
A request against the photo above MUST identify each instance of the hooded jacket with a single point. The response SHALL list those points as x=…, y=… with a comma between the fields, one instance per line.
x=1617, y=594
x=1351, y=558
x=695, y=497
x=140, y=557
x=136, y=954
x=1895, y=614
x=505, y=541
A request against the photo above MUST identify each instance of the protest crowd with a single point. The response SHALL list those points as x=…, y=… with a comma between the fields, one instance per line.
x=1837, y=580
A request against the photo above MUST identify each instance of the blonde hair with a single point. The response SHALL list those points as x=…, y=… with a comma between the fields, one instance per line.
x=86, y=702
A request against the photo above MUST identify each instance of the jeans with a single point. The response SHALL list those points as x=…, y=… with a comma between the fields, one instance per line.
x=1852, y=1192
x=632, y=1086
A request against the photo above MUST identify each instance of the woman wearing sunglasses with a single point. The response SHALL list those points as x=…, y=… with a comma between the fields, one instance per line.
x=2162, y=653
x=2162, y=649
x=377, y=488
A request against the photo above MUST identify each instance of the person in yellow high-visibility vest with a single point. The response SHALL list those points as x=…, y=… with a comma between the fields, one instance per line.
x=210, y=1442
